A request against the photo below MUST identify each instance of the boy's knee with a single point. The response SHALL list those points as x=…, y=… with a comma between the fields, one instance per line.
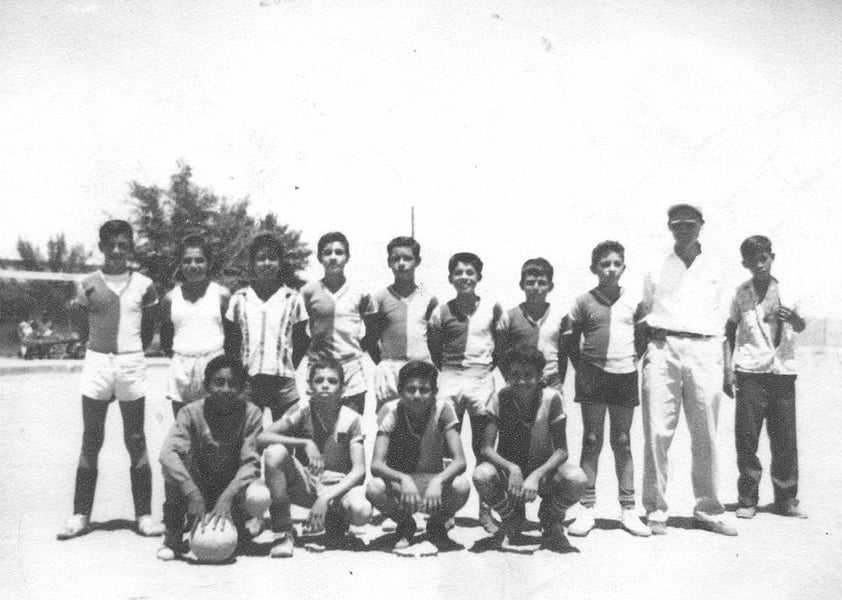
x=375, y=489
x=358, y=509
x=620, y=443
x=484, y=475
x=275, y=456
x=592, y=439
x=571, y=476
x=257, y=499
x=461, y=487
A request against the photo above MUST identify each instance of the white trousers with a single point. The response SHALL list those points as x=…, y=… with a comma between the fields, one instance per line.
x=681, y=372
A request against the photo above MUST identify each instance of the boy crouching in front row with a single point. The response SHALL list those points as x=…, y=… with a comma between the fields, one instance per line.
x=210, y=460
x=314, y=457
x=416, y=432
x=530, y=454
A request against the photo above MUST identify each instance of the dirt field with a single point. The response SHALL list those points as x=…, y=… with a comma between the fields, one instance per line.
x=772, y=558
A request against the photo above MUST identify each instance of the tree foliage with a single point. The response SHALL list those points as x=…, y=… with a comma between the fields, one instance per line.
x=162, y=218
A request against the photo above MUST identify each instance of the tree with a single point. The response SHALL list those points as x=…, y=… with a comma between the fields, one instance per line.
x=162, y=218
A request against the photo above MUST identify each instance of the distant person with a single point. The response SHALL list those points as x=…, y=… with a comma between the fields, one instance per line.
x=599, y=340
x=338, y=314
x=210, y=461
x=121, y=306
x=25, y=334
x=681, y=331
x=535, y=322
x=461, y=337
x=314, y=457
x=762, y=330
x=399, y=324
x=267, y=323
x=192, y=323
x=415, y=434
x=524, y=454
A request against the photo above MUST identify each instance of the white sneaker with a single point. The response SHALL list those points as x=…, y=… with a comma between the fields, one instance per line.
x=632, y=523
x=74, y=527
x=388, y=525
x=583, y=524
x=149, y=527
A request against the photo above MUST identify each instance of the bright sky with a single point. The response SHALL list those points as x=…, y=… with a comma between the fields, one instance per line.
x=516, y=129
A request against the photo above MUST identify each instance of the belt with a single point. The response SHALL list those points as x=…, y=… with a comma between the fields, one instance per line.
x=659, y=334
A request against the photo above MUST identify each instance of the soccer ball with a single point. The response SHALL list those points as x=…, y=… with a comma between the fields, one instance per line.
x=214, y=545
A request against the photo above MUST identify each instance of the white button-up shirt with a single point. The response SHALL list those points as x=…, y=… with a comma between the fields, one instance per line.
x=679, y=298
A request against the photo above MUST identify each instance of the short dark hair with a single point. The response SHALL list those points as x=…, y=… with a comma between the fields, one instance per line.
x=223, y=361
x=607, y=247
x=266, y=240
x=754, y=245
x=196, y=240
x=469, y=258
x=326, y=362
x=115, y=227
x=329, y=238
x=535, y=267
x=420, y=369
x=525, y=355
x=403, y=241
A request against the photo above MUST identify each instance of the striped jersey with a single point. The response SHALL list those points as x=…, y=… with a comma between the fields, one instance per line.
x=266, y=328
x=115, y=316
x=464, y=341
x=403, y=323
x=517, y=328
x=335, y=323
x=606, y=330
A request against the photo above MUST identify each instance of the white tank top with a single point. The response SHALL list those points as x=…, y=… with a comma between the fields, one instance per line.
x=198, y=325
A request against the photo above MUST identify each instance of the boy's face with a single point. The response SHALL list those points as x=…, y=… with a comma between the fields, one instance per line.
x=609, y=268
x=194, y=265
x=536, y=288
x=334, y=257
x=417, y=395
x=685, y=225
x=464, y=278
x=403, y=263
x=760, y=266
x=117, y=250
x=266, y=264
x=325, y=384
x=224, y=389
x=524, y=379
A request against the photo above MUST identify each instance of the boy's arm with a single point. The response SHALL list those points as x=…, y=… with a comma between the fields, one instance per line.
x=78, y=313
x=642, y=331
x=457, y=464
x=173, y=457
x=569, y=342
x=352, y=478
x=231, y=328
x=496, y=316
x=278, y=433
x=501, y=341
x=489, y=451
x=374, y=326
x=379, y=468
x=167, y=330
x=300, y=342
x=434, y=339
x=562, y=352
x=148, y=316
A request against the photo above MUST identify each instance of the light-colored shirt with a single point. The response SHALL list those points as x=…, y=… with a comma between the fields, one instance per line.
x=511, y=426
x=464, y=341
x=516, y=327
x=197, y=325
x=115, y=317
x=685, y=299
x=404, y=323
x=335, y=320
x=431, y=444
x=607, y=330
x=764, y=343
x=336, y=446
x=266, y=328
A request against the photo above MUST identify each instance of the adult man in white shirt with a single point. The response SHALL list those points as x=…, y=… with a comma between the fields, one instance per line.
x=683, y=367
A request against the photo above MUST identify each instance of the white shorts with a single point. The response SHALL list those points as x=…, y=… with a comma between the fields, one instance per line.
x=467, y=389
x=109, y=376
x=386, y=381
x=354, y=378
x=187, y=376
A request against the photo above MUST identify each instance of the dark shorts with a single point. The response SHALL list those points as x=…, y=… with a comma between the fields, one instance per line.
x=598, y=386
x=274, y=392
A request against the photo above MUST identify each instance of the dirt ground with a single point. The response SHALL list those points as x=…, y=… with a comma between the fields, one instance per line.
x=773, y=557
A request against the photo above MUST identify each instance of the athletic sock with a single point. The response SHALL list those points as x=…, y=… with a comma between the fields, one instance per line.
x=83, y=499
